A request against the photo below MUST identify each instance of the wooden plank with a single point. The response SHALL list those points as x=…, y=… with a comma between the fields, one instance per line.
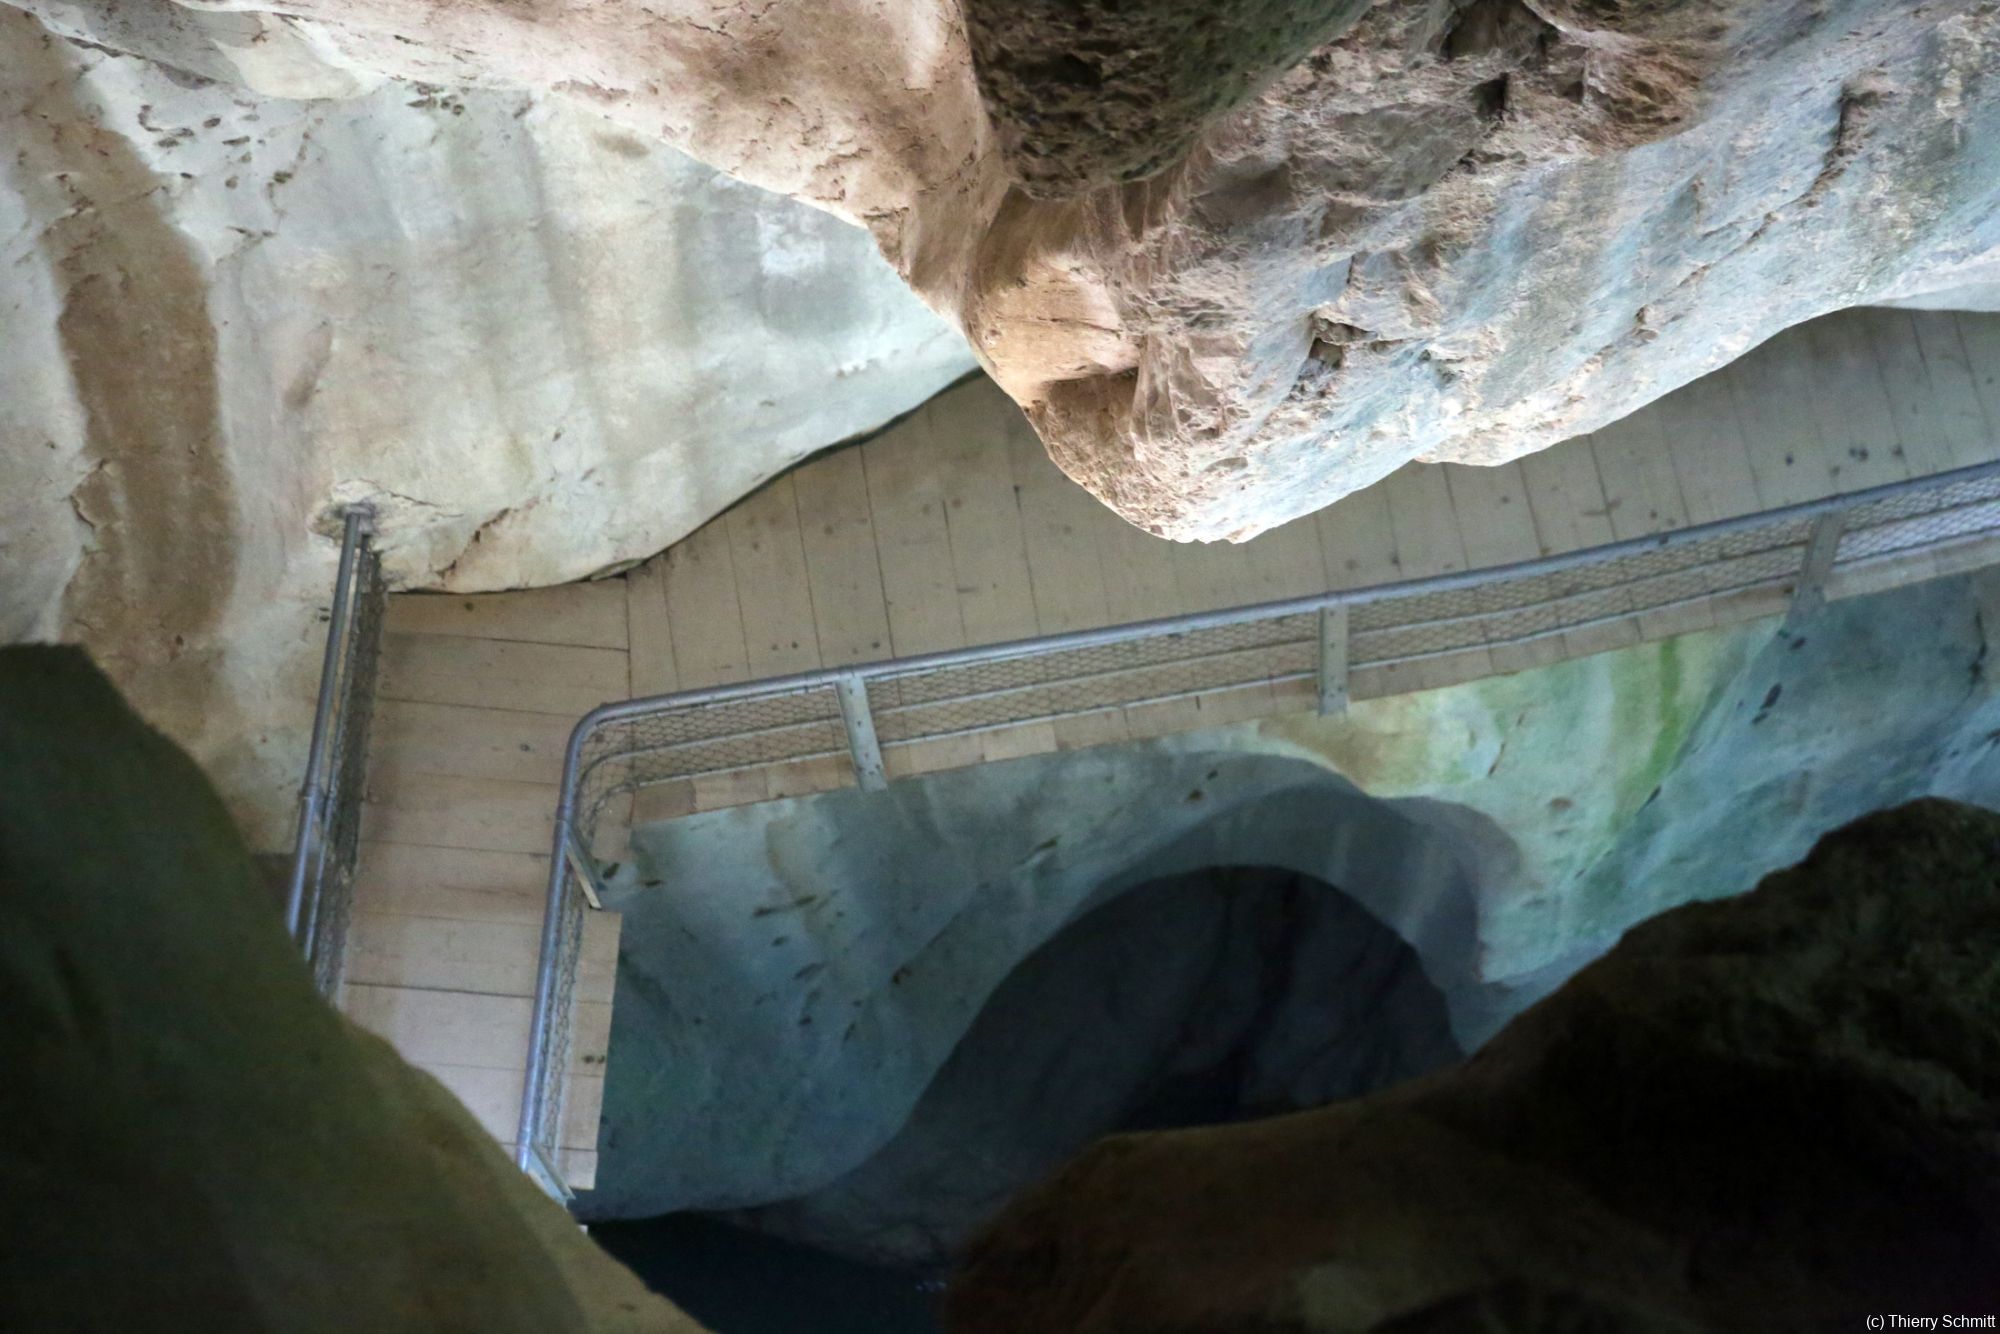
x=1913, y=401
x=1705, y=446
x=908, y=758
x=1953, y=413
x=1427, y=543
x=496, y=958
x=500, y=674
x=494, y=1099
x=588, y=614
x=475, y=813
x=1059, y=520
x=1772, y=391
x=410, y=739
x=1138, y=569
x=850, y=613
x=907, y=505
x=1287, y=561
x=1642, y=494
x=1357, y=540
x=1140, y=584
x=1106, y=727
x=416, y=899
x=647, y=630
x=1979, y=335
x=1212, y=575
x=800, y=778
x=737, y=787
x=484, y=885
x=1497, y=527
x=1566, y=495
x=703, y=613
x=664, y=801
x=1850, y=405
x=771, y=590
x=989, y=558
x=466, y=1028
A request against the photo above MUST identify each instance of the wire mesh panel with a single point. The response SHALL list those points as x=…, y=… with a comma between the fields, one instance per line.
x=1029, y=687
x=546, y=1099
x=1514, y=607
x=620, y=755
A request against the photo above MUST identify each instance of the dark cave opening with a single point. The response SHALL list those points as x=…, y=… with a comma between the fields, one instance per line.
x=1199, y=999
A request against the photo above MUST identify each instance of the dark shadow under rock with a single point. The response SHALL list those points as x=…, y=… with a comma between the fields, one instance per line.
x=1195, y=1000
x=1774, y=1112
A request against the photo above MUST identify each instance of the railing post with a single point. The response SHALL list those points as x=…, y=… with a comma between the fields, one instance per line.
x=312, y=792
x=1822, y=550
x=1333, y=659
x=862, y=746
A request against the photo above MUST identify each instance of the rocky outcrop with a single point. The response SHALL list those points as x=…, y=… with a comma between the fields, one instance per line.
x=1775, y=1113
x=191, y=1138
x=1200, y=999
x=537, y=344
x=795, y=975
x=1239, y=260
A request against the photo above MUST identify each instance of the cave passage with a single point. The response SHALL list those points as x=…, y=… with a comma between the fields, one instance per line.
x=1197, y=999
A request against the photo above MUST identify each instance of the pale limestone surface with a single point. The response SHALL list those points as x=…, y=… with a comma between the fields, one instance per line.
x=538, y=345
x=1455, y=230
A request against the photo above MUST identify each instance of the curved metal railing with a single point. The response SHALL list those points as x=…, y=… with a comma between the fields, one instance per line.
x=1312, y=642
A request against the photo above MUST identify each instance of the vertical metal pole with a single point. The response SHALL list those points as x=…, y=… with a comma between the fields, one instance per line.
x=862, y=746
x=1822, y=549
x=312, y=793
x=533, y=1078
x=1333, y=659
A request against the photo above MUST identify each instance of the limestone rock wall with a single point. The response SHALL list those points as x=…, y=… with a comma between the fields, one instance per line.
x=537, y=344
x=1238, y=267
x=796, y=974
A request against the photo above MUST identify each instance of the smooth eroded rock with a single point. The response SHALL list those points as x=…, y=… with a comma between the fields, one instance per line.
x=1773, y=1113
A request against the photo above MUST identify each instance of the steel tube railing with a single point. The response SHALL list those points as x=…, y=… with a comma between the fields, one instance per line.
x=537, y=1091
x=317, y=787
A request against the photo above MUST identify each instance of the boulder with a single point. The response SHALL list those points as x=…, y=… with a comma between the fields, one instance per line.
x=1780, y=1112
x=191, y=1138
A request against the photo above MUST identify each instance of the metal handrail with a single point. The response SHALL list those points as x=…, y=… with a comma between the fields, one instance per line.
x=571, y=862
x=322, y=853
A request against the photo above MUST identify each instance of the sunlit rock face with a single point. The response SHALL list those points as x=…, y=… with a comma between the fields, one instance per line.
x=1419, y=229
x=799, y=979
x=537, y=344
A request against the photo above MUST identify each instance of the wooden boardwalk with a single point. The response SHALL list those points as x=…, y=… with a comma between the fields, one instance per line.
x=952, y=529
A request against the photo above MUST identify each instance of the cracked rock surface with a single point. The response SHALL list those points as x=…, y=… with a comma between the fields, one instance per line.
x=1238, y=264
